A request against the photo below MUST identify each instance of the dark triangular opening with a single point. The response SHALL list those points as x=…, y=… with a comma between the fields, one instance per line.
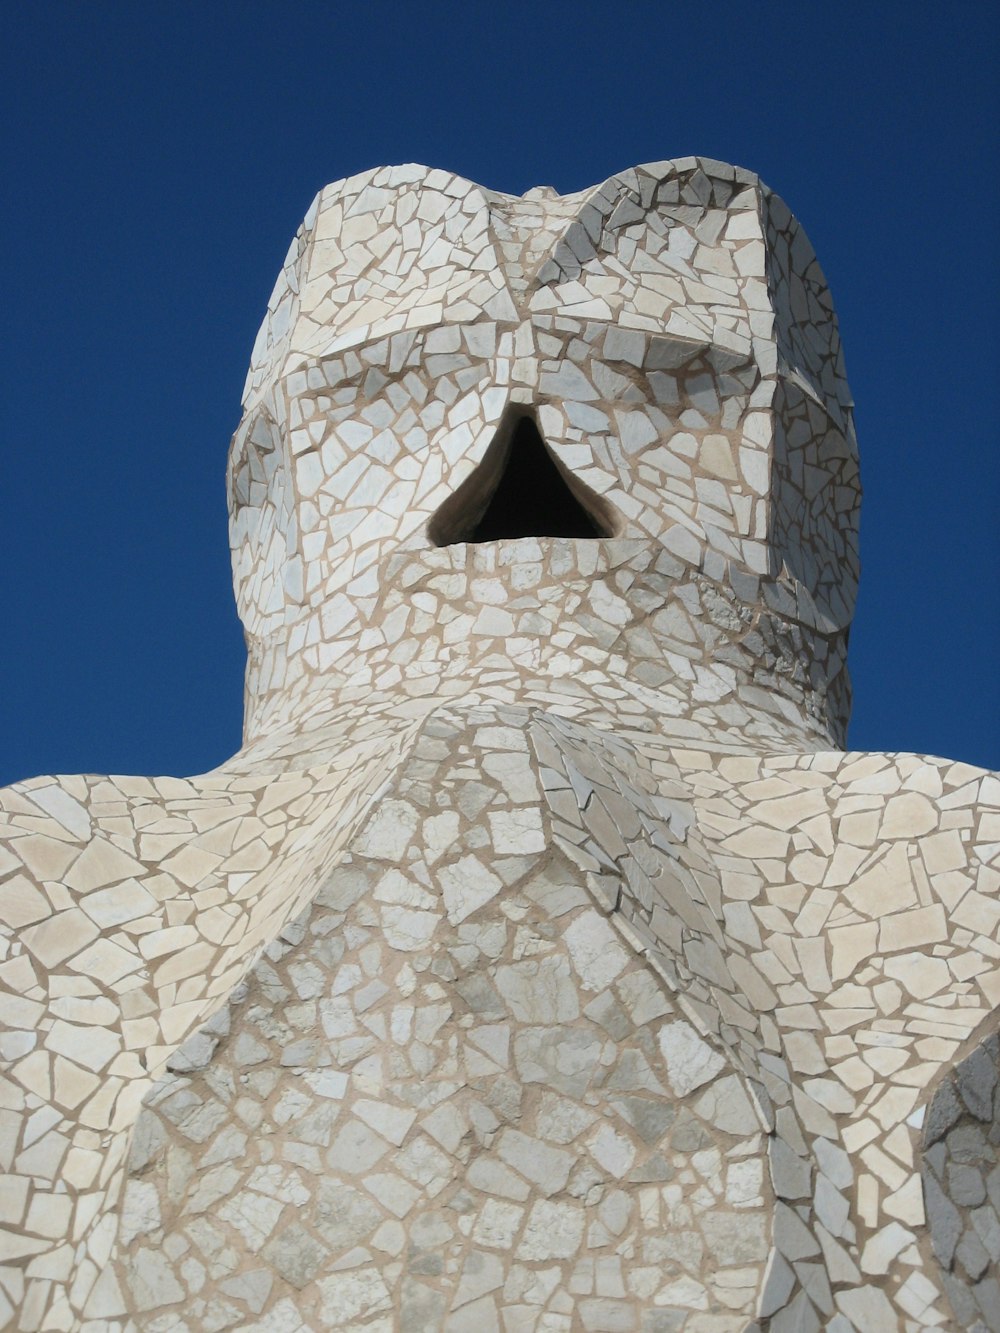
x=519, y=490
x=531, y=498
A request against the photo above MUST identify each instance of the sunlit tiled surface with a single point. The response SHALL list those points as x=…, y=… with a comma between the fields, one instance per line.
x=541, y=961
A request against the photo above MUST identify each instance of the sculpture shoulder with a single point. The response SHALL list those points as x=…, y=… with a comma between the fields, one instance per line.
x=861, y=800
x=71, y=834
x=79, y=870
x=106, y=851
x=879, y=855
x=92, y=866
x=133, y=906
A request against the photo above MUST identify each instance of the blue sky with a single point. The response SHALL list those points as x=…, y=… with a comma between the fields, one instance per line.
x=158, y=158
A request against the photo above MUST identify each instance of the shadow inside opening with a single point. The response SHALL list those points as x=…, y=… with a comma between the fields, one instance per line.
x=532, y=498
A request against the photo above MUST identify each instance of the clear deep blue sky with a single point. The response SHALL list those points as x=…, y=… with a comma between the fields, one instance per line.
x=159, y=156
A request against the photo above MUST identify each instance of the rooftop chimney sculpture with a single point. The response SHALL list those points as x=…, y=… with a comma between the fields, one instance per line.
x=541, y=961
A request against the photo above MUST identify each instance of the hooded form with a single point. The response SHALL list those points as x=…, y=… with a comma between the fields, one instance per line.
x=670, y=335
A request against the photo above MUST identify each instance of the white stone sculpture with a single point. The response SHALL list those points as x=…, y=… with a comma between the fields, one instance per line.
x=541, y=961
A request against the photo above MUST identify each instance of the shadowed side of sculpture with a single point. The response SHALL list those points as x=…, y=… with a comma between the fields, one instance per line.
x=961, y=1184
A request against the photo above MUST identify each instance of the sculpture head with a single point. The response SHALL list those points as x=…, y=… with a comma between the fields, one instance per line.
x=654, y=361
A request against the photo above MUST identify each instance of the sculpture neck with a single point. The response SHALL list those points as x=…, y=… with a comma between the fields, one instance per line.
x=617, y=632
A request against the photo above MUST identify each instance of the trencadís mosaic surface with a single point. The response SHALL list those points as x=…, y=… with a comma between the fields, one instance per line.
x=541, y=961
